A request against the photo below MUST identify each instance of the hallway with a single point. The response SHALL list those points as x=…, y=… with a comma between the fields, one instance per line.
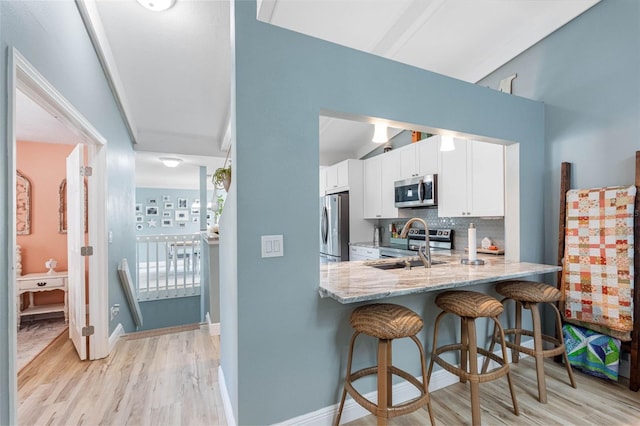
x=166, y=379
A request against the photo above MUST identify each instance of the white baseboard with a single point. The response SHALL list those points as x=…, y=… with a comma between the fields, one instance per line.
x=113, y=339
x=226, y=401
x=214, y=328
x=401, y=392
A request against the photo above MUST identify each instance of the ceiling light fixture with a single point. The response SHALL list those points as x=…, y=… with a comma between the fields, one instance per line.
x=447, y=143
x=171, y=161
x=157, y=5
x=380, y=133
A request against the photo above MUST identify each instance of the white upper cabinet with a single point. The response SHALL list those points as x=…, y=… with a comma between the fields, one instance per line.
x=471, y=180
x=323, y=180
x=419, y=158
x=337, y=176
x=380, y=173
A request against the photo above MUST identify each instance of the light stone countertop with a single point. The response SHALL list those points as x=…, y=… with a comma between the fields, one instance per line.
x=350, y=282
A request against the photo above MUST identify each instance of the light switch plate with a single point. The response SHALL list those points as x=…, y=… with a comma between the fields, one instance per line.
x=272, y=246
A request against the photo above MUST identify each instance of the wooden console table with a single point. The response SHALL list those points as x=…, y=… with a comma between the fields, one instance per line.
x=39, y=282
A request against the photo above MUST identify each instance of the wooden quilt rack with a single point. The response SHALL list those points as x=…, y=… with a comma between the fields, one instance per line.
x=632, y=346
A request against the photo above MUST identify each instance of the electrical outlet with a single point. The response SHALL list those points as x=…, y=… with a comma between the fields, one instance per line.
x=115, y=310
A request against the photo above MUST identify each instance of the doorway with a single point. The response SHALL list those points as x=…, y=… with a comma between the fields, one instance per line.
x=24, y=77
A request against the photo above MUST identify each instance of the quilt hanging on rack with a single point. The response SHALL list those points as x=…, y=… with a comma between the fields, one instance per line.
x=597, y=277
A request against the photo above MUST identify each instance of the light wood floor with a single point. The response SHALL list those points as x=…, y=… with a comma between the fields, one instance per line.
x=594, y=402
x=168, y=379
x=171, y=379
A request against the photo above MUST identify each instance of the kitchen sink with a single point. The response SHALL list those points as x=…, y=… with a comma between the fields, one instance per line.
x=399, y=264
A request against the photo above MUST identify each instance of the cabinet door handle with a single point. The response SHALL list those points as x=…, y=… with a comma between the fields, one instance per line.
x=41, y=284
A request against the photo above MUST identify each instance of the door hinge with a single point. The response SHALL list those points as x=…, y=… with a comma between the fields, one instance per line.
x=86, y=251
x=86, y=171
x=87, y=331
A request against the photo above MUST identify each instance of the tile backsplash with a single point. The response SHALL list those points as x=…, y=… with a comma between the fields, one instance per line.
x=485, y=227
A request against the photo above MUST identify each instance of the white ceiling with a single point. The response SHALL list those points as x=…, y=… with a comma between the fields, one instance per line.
x=173, y=67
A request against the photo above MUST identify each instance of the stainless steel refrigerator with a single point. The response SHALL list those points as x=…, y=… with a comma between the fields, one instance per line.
x=334, y=227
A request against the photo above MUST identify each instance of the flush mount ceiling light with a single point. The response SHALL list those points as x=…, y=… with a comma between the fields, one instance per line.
x=171, y=161
x=380, y=133
x=157, y=5
x=447, y=143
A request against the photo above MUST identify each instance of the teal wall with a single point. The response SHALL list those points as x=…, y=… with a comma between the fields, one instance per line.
x=170, y=312
x=587, y=75
x=291, y=345
x=53, y=38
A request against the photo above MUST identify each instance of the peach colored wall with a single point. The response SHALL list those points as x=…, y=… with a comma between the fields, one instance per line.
x=44, y=165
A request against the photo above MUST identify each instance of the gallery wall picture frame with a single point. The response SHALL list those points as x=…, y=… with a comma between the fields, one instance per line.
x=139, y=208
x=195, y=219
x=182, y=203
x=168, y=206
x=182, y=225
x=139, y=218
x=167, y=222
x=139, y=226
x=166, y=198
x=166, y=214
x=151, y=210
x=195, y=211
x=152, y=200
x=182, y=215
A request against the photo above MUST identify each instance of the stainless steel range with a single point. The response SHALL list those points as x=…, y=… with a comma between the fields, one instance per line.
x=438, y=239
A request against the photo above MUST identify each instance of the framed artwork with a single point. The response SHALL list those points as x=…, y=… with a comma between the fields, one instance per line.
x=62, y=208
x=182, y=215
x=182, y=225
x=152, y=200
x=139, y=218
x=139, y=226
x=168, y=206
x=182, y=203
x=195, y=211
x=195, y=219
x=166, y=214
x=23, y=204
x=167, y=222
x=139, y=208
x=151, y=211
x=166, y=198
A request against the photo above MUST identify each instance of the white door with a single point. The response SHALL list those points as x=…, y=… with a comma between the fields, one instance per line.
x=75, y=242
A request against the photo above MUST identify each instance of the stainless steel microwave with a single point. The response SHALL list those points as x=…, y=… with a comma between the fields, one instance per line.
x=416, y=192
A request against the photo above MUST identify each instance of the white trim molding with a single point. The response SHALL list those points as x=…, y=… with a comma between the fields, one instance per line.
x=226, y=401
x=115, y=336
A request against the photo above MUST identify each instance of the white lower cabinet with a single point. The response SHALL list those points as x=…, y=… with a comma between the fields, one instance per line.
x=363, y=253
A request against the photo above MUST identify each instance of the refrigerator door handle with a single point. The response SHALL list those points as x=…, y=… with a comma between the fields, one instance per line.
x=325, y=225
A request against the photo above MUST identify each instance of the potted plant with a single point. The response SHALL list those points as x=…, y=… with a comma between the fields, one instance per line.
x=222, y=175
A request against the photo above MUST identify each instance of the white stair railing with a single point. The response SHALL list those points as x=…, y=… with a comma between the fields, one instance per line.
x=167, y=266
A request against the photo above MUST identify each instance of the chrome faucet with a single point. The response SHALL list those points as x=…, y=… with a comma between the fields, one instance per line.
x=425, y=255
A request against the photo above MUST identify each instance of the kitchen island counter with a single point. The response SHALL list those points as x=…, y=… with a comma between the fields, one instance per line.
x=350, y=282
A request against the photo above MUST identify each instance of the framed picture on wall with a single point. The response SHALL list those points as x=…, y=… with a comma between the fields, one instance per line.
x=195, y=219
x=139, y=226
x=152, y=200
x=166, y=214
x=195, y=210
x=168, y=206
x=182, y=203
x=166, y=198
x=139, y=218
x=167, y=222
x=182, y=225
x=151, y=211
x=138, y=208
x=182, y=215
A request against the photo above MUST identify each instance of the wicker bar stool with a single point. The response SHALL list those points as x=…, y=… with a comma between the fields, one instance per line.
x=469, y=305
x=386, y=322
x=529, y=295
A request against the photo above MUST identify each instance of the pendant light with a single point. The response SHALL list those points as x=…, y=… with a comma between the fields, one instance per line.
x=171, y=161
x=380, y=133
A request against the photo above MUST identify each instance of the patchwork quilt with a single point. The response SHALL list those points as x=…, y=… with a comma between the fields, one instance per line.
x=591, y=352
x=598, y=270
